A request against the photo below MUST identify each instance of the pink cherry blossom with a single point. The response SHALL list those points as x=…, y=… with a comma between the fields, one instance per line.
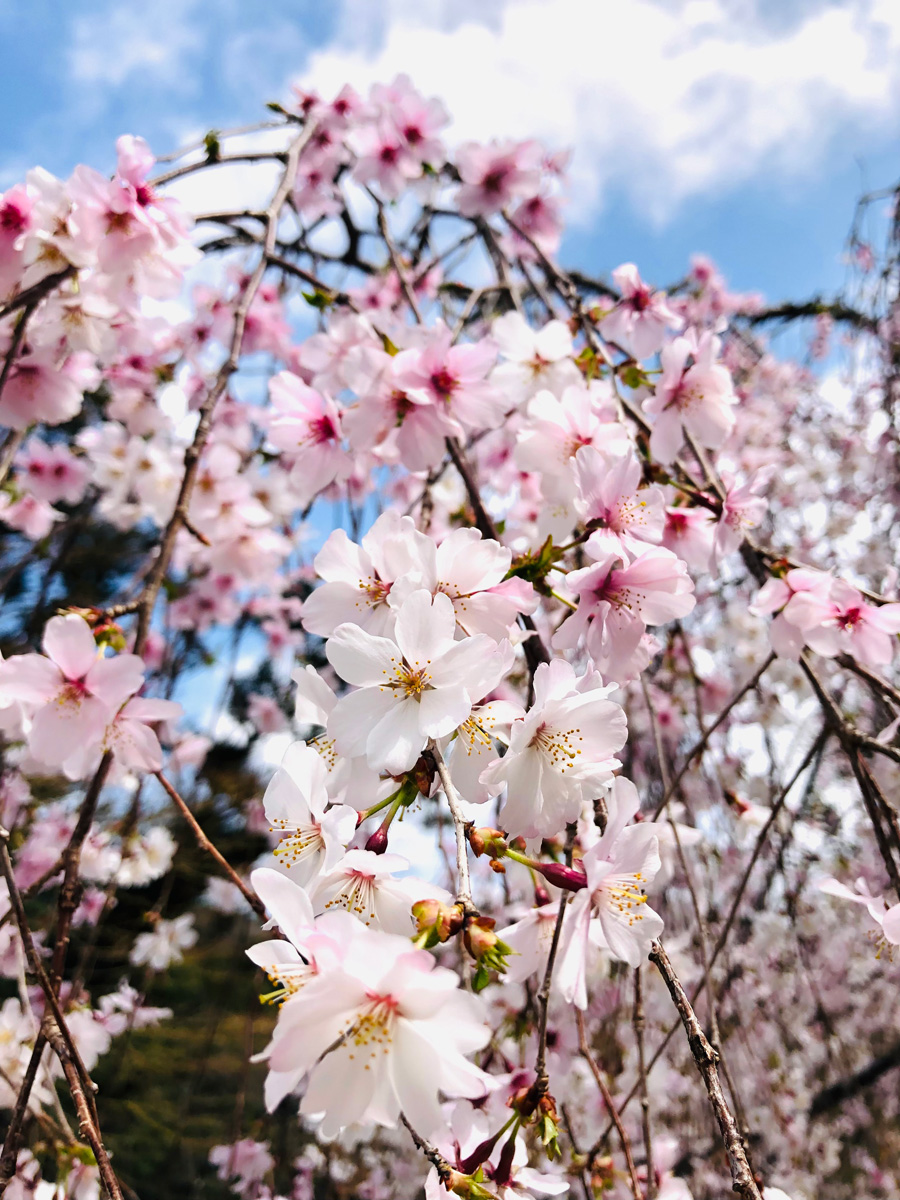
x=558, y=428
x=453, y=378
x=743, y=508
x=31, y=516
x=617, y=602
x=380, y=1034
x=471, y=570
x=52, y=472
x=619, y=867
x=844, y=622
x=75, y=690
x=785, y=635
x=307, y=425
x=495, y=174
x=624, y=515
x=357, y=579
x=38, y=389
x=640, y=318
x=693, y=395
x=531, y=938
x=129, y=737
x=383, y=158
x=535, y=359
x=364, y=884
x=689, y=533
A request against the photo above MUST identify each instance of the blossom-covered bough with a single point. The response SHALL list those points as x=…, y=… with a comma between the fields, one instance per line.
x=593, y=600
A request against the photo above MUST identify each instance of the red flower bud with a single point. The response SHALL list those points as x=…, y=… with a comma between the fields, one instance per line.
x=570, y=878
x=378, y=842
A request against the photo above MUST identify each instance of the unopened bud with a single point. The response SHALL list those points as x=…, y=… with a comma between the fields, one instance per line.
x=570, y=878
x=503, y=1173
x=487, y=841
x=480, y=937
x=486, y=948
x=480, y=1154
x=435, y=922
x=541, y=895
x=378, y=842
x=522, y=1101
x=603, y=1173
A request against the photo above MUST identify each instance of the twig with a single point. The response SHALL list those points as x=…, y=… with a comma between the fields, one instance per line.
x=11, y=442
x=610, y=1105
x=37, y=291
x=57, y=1034
x=464, y=886
x=638, y=1023
x=723, y=937
x=701, y=923
x=228, y=368
x=222, y=160
x=705, y=1059
x=700, y=745
x=436, y=1159
x=836, y=1093
x=208, y=848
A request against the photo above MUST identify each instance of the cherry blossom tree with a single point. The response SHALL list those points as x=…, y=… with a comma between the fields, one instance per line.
x=568, y=609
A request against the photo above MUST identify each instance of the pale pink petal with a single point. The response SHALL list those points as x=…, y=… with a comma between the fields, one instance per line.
x=69, y=642
x=115, y=679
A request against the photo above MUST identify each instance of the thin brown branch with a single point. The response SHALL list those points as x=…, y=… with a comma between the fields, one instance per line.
x=700, y=745
x=637, y=1020
x=624, y=1139
x=228, y=368
x=704, y=1057
x=208, y=848
x=37, y=291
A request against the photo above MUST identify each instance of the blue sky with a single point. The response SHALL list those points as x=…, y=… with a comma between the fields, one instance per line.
x=741, y=128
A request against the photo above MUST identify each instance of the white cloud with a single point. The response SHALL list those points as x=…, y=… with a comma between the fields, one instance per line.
x=114, y=43
x=668, y=100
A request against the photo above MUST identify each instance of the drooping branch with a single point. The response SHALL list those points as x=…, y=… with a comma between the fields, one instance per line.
x=743, y=1181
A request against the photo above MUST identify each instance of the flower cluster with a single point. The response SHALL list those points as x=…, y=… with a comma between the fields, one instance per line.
x=484, y=567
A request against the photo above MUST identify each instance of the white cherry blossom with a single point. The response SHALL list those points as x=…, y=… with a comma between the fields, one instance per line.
x=422, y=685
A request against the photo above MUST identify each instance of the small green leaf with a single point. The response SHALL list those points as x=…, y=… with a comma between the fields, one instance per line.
x=633, y=377
x=481, y=978
x=213, y=146
x=318, y=299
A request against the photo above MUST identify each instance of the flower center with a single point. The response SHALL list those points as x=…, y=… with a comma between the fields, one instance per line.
x=71, y=695
x=471, y=734
x=325, y=748
x=850, y=619
x=373, y=1028
x=625, y=895
x=322, y=430
x=558, y=745
x=495, y=180
x=303, y=842
x=444, y=383
x=288, y=978
x=376, y=590
x=411, y=682
x=356, y=895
